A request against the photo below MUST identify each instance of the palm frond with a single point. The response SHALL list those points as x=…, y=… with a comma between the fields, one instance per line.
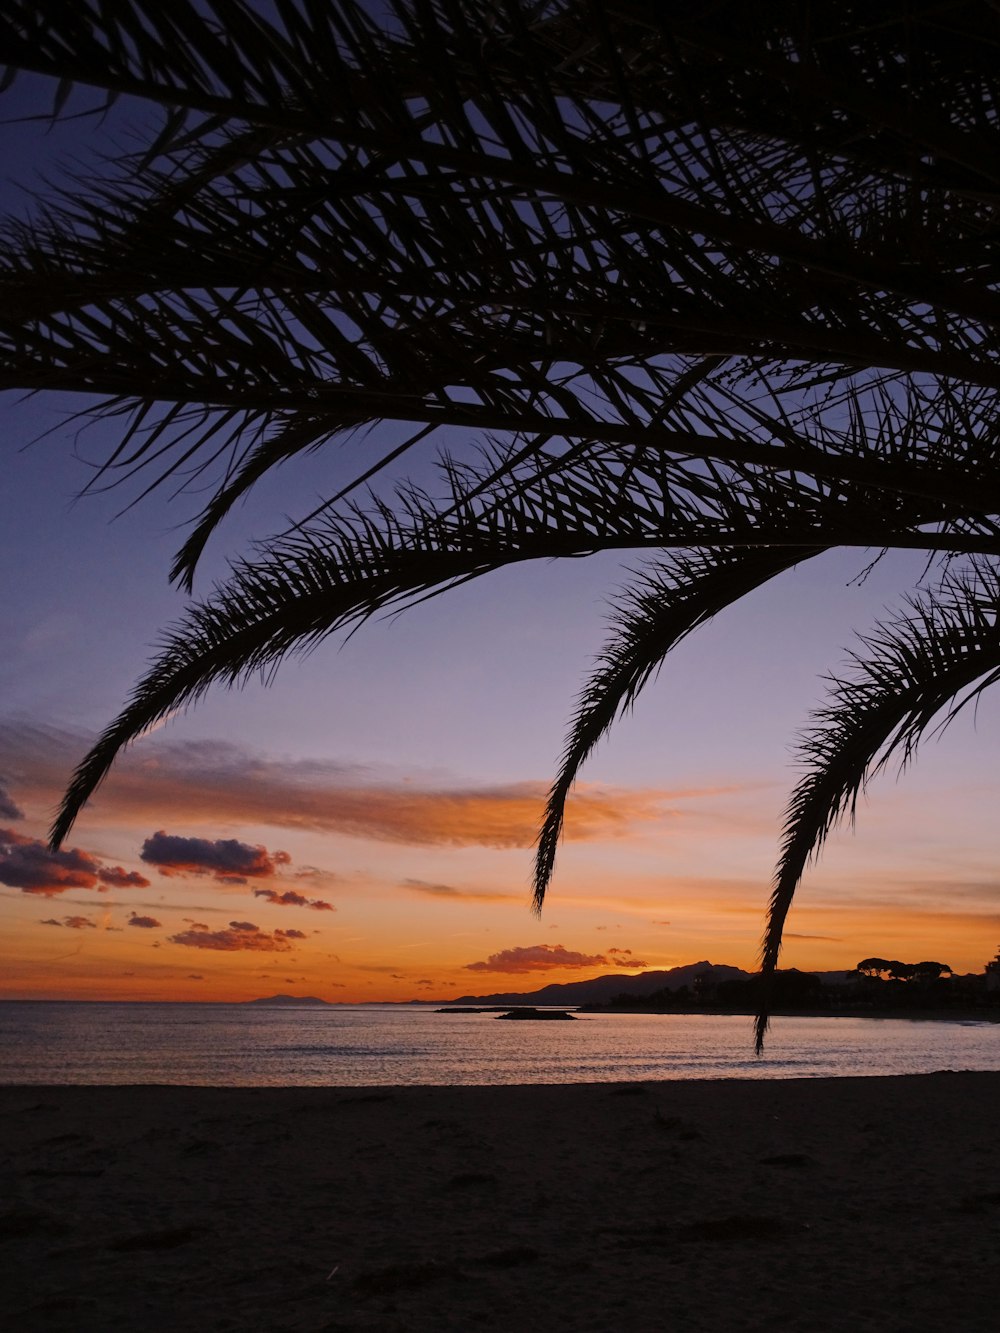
x=587, y=207
x=671, y=599
x=723, y=281
x=924, y=666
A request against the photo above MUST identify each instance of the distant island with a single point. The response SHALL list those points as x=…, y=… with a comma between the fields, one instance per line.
x=289, y=1001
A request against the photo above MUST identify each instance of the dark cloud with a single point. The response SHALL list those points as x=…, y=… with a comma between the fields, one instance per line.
x=27, y=864
x=8, y=809
x=292, y=899
x=426, y=983
x=537, y=958
x=623, y=958
x=195, y=976
x=291, y=934
x=73, y=922
x=241, y=935
x=144, y=922
x=225, y=859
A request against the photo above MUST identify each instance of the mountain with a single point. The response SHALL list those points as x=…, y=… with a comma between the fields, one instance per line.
x=601, y=989
x=289, y=1001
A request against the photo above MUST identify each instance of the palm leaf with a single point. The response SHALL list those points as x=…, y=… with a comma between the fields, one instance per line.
x=927, y=665
x=720, y=280
x=671, y=599
x=525, y=156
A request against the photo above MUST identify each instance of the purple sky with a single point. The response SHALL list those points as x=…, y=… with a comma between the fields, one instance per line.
x=457, y=708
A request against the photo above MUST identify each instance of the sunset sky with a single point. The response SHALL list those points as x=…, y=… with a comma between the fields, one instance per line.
x=363, y=828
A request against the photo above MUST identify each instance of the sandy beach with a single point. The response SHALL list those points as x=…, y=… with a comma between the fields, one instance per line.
x=867, y=1203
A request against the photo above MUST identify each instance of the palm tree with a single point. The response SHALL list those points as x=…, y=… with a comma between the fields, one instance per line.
x=721, y=288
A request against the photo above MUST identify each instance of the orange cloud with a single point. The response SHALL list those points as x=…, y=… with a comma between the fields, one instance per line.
x=433, y=890
x=537, y=958
x=194, y=779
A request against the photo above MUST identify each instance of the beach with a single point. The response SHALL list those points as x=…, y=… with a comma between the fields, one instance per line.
x=851, y=1203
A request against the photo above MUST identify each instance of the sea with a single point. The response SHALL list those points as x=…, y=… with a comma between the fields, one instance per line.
x=234, y=1045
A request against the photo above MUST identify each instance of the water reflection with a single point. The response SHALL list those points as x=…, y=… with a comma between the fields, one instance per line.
x=233, y=1045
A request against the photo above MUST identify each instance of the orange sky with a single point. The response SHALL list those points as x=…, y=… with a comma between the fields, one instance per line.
x=210, y=871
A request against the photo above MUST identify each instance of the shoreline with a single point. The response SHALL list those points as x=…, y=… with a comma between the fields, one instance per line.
x=985, y=1015
x=815, y=1203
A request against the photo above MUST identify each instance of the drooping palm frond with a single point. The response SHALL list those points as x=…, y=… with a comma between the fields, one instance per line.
x=349, y=565
x=918, y=669
x=672, y=598
x=723, y=280
x=337, y=210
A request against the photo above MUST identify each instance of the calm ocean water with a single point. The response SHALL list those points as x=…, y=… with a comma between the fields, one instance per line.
x=234, y=1045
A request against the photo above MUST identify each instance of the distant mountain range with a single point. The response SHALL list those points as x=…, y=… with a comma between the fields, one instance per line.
x=600, y=989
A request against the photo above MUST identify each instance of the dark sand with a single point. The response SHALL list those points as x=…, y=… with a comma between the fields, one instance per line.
x=795, y=1205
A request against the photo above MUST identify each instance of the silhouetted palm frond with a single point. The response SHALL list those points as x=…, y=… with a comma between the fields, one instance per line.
x=653, y=277
x=336, y=212
x=914, y=672
x=670, y=600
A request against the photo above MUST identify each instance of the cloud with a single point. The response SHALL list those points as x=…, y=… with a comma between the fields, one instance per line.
x=115, y=877
x=226, y=860
x=450, y=891
x=623, y=958
x=8, y=809
x=73, y=922
x=196, y=779
x=27, y=864
x=240, y=936
x=536, y=958
x=292, y=899
x=144, y=922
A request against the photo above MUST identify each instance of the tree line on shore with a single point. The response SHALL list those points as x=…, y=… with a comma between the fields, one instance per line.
x=875, y=984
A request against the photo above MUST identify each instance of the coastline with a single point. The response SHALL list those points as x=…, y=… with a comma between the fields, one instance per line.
x=930, y=1015
x=818, y=1204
